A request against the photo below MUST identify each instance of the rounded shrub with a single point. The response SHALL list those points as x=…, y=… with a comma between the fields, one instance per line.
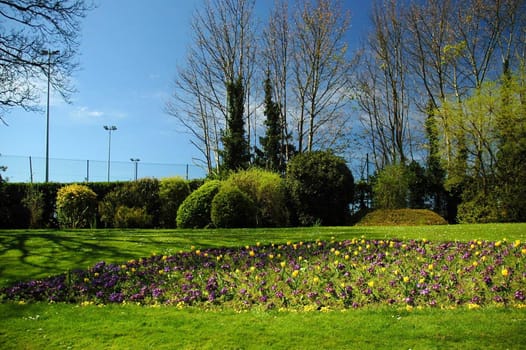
x=321, y=188
x=195, y=210
x=172, y=192
x=268, y=193
x=76, y=206
x=232, y=208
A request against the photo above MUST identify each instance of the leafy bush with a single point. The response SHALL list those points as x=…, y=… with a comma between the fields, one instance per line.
x=268, y=192
x=76, y=206
x=232, y=208
x=321, y=188
x=195, y=210
x=391, y=187
x=172, y=192
x=478, y=209
x=401, y=217
x=126, y=217
x=143, y=194
x=34, y=203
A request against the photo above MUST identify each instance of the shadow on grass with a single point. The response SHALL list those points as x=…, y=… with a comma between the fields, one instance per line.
x=29, y=255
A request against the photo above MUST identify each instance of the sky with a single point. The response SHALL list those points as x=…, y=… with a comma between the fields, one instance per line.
x=129, y=53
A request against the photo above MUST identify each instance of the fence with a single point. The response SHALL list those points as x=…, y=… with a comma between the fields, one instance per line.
x=32, y=169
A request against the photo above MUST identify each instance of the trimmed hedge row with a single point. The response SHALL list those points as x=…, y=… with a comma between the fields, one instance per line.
x=318, y=189
x=138, y=204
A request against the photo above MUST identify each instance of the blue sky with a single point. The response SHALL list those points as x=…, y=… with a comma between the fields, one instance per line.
x=129, y=53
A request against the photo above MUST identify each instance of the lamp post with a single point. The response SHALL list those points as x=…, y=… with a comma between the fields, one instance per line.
x=136, y=161
x=110, y=129
x=48, y=53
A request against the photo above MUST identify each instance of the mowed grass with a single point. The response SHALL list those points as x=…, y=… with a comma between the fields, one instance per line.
x=34, y=254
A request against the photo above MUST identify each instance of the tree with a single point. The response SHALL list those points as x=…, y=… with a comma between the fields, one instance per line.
x=222, y=53
x=321, y=187
x=29, y=29
x=383, y=85
x=276, y=51
x=235, y=154
x=271, y=156
x=321, y=70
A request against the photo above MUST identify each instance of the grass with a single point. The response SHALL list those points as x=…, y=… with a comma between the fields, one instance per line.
x=33, y=254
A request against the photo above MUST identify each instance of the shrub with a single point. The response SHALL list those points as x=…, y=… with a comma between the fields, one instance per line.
x=268, y=192
x=76, y=206
x=34, y=203
x=391, y=187
x=321, y=188
x=126, y=217
x=172, y=192
x=401, y=217
x=232, y=208
x=195, y=210
x=143, y=194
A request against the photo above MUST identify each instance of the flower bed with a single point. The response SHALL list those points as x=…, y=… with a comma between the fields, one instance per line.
x=302, y=276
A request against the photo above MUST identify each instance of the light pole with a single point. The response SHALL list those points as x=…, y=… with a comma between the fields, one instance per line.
x=136, y=161
x=49, y=53
x=110, y=129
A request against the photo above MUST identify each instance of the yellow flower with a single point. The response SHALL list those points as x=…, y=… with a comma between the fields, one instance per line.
x=516, y=243
x=271, y=256
x=283, y=264
x=475, y=263
x=197, y=252
x=295, y=273
x=523, y=251
x=472, y=306
x=252, y=253
x=370, y=284
x=430, y=267
x=346, y=257
x=498, y=243
x=86, y=279
x=337, y=252
x=505, y=272
x=315, y=280
x=406, y=279
x=160, y=272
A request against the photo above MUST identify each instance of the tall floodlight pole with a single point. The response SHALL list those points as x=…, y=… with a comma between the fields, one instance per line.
x=48, y=53
x=110, y=129
x=136, y=161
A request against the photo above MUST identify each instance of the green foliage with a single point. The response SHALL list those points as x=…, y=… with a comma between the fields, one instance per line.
x=195, y=210
x=34, y=202
x=76, y=206
x=172, y=192
x=321, y=187
x=268, y=192
x=143, y=193
x=235, y=152
x=401, y=217
x=126, y=217
x=232, y=208
x=270, y=157
x=391, y=187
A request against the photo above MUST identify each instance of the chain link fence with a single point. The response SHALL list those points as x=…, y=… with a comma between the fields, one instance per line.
x=32, y=169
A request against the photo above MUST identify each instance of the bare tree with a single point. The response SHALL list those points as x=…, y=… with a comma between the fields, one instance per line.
x=30, y=28
x=384, y=86
x=321, y=69
x=276, y=52
x=223, y=51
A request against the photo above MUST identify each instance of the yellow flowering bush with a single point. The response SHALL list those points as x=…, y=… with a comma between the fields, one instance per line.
x=76, y=206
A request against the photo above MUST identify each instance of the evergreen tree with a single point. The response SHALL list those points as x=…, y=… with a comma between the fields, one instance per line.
x=271, y=156
x=235, y=152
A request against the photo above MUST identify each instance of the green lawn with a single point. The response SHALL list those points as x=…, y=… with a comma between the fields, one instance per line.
x=39, y=253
